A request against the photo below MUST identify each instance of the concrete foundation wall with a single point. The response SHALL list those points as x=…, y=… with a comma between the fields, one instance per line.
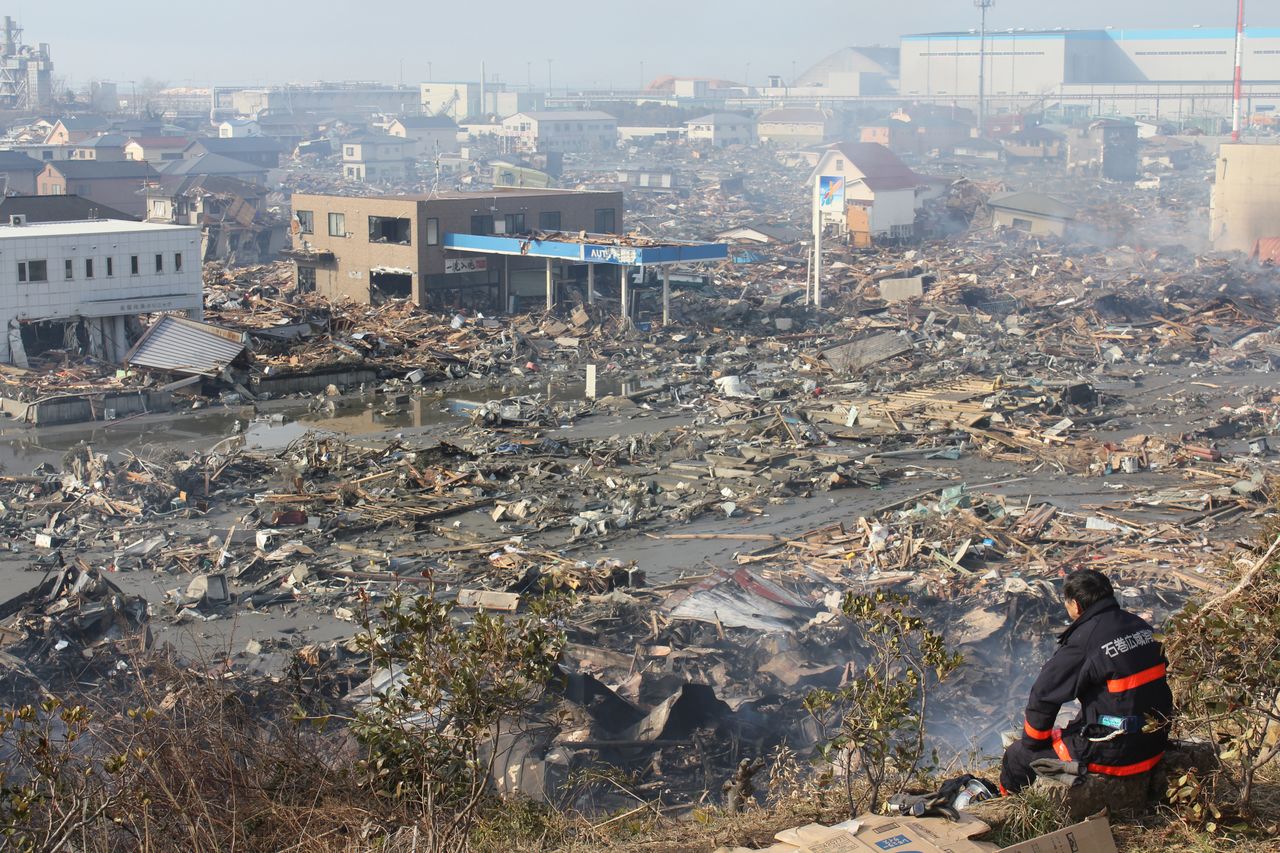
x=79, y=409
x=1246, y=196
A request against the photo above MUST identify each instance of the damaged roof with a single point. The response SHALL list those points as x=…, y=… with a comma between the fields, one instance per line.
x=57, y=208
x=180, y=345
x=88, y=170
x=1037, y=204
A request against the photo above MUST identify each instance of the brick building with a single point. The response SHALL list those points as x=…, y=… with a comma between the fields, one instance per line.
x=375, y=247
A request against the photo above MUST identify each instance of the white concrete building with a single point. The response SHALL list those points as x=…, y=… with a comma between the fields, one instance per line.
x=1166, y=74
x=561, y=130
x=721, y=129
x=455, y=100
x=431, y=135
x=78, y=282
x=239, y=128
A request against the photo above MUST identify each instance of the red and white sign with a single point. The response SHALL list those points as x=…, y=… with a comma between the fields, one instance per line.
x=457, y=265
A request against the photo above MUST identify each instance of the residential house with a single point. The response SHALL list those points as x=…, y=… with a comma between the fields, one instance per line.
x=239, y=128
x=431, y=135
x=796, y=127
x=120, y=185
x=977, y=148
x=288, y=129
x=894, y=134
x=1034, y=213
x=762, y=232
x=70, y=130
x=261, y=151
x=235, y=223
x=376, y=247
x=156, y=150
x=214, y=164
x=721, y=129
x=18, y=173
x=657, y=179
x=936, y=128
x=881, y=193
x=1167, y=153
x=377, y=157
x=108, y=148
x=43, y=153
x=1034, y=143
x=56, y=208
x=561, y=130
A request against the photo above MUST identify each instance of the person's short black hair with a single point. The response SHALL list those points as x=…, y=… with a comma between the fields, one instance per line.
x=1086, y=587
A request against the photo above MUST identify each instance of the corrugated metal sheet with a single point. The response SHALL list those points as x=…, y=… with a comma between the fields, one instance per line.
x=855, y=356
x=186, y=346
x=1267, y=249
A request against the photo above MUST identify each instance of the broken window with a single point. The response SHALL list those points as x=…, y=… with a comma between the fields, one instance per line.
x=69, y=269
x=306, y=279
x=433, y=232
x=337, y=225
x=549, y=220
x=133, y=265
x=306, y=221
x=482, y=225
x=389, y=229
x=1021, y=224
x=390, y=285
x=177, y=262
x=606, y=220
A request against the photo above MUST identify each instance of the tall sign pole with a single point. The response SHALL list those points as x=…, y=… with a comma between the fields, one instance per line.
x=983, y=5
x=1235, y=89
x=817, y=244
x=828, y=195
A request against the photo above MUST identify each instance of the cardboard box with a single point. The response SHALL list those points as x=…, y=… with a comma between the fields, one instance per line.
x=891, y=834
x=1089, y=836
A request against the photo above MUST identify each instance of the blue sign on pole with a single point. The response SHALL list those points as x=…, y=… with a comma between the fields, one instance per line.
x=831, y=193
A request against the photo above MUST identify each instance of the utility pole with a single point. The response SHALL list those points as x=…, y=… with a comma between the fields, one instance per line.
x=549, y=78
x=983, y=5
x=1236, y=84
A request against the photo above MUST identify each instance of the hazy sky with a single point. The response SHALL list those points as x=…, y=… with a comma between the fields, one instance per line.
x=590, y=43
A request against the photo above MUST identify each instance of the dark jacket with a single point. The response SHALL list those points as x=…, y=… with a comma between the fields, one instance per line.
x=1111, y=662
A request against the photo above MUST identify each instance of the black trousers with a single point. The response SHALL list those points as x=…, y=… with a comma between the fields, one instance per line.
x=1015, y=767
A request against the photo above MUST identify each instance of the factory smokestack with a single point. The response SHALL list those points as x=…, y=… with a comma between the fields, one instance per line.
x=1235, y=93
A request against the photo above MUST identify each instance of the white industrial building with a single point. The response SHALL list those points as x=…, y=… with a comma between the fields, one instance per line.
x=77, y=284
x=1167, y=74
x=561, y=130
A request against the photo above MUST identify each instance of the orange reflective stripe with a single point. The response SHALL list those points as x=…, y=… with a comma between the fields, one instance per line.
x=1060, y=748
x=1120, y=685
x=1035, y=733
x=1126, y=769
